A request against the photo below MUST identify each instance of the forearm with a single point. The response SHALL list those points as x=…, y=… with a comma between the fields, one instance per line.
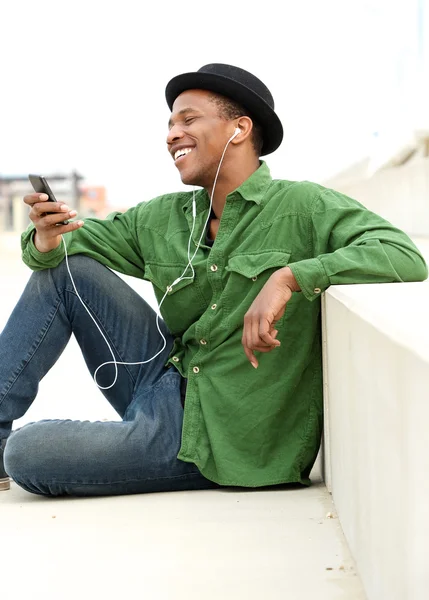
x=109, y=241
x=375, y=261
x=352, y=245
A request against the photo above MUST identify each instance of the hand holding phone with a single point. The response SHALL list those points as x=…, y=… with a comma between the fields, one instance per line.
x=48, y=224
x=41, y=186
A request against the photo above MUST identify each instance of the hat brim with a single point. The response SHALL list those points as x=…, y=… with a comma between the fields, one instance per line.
x=260, y=110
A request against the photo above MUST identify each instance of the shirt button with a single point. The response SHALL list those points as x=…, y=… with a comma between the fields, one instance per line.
x=196, y=370
x=213, y=268
x=254, y=278
x=176, y=358
x=203, y=342
x=317, y=290
x=213, y=306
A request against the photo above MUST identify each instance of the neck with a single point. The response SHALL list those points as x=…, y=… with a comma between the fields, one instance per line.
x=230, y=178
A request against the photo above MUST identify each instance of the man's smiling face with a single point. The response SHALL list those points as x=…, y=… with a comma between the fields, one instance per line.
x=197, y=137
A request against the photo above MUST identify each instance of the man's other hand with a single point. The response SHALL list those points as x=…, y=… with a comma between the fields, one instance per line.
x=259, y=332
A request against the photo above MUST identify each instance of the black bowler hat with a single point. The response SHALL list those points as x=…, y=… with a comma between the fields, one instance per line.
x=239, y=85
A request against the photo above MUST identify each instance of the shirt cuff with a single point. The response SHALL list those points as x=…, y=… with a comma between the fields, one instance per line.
x=35, y=259
x=311, y=277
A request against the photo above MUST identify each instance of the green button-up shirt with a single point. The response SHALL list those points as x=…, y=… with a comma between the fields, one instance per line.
x=244, y=426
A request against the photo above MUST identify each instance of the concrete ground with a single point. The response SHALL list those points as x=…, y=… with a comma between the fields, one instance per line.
x=230, y=544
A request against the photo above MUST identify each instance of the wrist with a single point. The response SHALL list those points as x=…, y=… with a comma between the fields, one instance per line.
x=45, y=246
x=288, y=279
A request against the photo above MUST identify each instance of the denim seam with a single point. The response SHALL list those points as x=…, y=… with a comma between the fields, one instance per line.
x=27, y=361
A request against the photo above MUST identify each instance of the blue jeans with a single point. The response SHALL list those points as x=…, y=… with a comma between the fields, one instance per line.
x=83, y=458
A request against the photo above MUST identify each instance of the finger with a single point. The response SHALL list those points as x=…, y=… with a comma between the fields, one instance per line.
x=254, y=339
x=247, y=331
x=251, y=357
x=246, y=341
x=61, y=229
x=43, y=208
x=265, y=332
x=264, y=349
x=31, y=199
x=251, y=336
x=53, y=219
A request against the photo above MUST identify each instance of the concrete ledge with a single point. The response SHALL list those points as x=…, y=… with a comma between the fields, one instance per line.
x=376, y=361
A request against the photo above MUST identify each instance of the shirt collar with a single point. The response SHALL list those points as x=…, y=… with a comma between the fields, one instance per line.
x=256, y=186
x=253, y=189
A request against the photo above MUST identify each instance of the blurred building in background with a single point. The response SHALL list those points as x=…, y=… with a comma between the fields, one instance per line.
x=88, y=200
x=93, y=201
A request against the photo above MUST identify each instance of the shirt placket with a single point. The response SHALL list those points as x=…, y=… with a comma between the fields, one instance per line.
x=214, y=272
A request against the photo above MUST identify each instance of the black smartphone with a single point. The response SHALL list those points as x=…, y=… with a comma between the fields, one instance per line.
x=41, y=186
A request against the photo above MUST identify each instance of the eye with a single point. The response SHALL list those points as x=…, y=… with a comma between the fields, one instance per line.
x=189, y=120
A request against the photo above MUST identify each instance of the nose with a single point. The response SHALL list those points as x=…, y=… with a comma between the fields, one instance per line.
x=175, y=133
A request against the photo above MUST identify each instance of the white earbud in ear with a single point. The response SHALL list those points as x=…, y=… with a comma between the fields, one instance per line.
x=236, y=132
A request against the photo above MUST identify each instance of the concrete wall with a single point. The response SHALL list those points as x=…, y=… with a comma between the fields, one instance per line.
x=376, y=360
x=400, y=195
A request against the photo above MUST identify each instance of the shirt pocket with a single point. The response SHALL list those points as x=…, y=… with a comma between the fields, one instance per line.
x=246, y=276
x=184, y=302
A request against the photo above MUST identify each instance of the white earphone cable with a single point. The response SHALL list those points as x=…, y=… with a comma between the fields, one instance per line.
x=169, y=287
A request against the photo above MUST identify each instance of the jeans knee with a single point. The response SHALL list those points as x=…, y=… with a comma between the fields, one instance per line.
x=85, y=271
x=13, y=455
x=22, y=451
x=80, y=265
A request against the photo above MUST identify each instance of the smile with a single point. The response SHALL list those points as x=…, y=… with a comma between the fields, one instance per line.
x=182, y=152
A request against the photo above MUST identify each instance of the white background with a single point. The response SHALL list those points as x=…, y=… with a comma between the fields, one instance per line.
x=83, y=82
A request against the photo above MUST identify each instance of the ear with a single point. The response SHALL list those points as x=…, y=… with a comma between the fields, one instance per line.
x=245, y=124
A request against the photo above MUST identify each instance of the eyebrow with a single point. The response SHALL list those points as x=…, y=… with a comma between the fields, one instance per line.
x=182, y=112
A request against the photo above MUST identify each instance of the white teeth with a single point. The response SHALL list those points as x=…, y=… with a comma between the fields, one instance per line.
x=182, y=152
